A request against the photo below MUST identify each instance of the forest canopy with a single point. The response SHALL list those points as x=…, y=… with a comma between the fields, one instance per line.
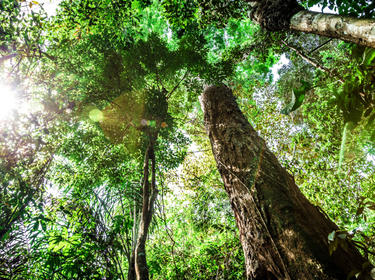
x=170, y=139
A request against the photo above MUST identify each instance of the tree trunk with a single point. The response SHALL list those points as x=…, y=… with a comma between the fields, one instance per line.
x=277, y=15
x=131, y=269
x=148, y=200
x=282, y=234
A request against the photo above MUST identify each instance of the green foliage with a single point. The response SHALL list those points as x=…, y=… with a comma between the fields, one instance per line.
x=110, y=74
x=214, y=255
x=20, y=29
x=368, y=57
x=307, y=143
x=298, y=95
x=346, y=7
x=197, y=237
x=78, y=242
x=355, y=96
x=182, y=14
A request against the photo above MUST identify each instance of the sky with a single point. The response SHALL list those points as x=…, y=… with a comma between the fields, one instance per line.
x=50, y=6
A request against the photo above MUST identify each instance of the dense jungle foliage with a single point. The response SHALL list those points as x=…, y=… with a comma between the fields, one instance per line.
x=96, y=82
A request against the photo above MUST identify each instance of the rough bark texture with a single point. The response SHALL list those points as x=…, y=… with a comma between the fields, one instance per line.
x=148, y=200
x=278, y=15
x=282, y=234
x=274, y=15
x=131, y=267
x=359, y=31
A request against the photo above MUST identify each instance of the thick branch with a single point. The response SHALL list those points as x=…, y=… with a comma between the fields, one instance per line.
x=358, y=31
x=277, y=15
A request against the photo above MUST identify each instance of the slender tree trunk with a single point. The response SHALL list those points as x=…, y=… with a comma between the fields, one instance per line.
x=131, y=269
x=282, y=234
x=149, y=197
x=277, y=15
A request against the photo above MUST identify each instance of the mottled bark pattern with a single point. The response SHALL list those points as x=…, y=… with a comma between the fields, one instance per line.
x=278, y=15
x=274, y=15
x=359, y=31
x=282, y=234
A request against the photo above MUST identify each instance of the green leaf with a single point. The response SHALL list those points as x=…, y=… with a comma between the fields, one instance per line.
x=331, y=236
x=58, y=246
x=36, y=226
x=367, y=112
x=370, y=121
x=370, y=205
x=297, y=98
x=44, y=226
x=5, y=236
x=352, y=274
x=368, y=57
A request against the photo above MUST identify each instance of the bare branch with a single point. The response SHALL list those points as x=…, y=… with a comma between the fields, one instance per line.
x=177, y=85
x=312, y=62
x=318, y=47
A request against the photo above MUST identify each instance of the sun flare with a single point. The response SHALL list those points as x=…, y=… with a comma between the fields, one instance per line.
x=8, y=101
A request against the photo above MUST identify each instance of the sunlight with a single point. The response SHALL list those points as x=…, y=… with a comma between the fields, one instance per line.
x=276, y=67
x=8, y=101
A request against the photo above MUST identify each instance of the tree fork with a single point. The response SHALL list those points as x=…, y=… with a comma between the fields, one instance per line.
x=282, y=234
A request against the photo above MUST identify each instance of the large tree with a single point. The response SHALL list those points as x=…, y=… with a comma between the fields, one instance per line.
x=277, y=15
x=283, y=235
x=100, y=51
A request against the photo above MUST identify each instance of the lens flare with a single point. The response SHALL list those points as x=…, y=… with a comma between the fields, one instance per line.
x=8, y=101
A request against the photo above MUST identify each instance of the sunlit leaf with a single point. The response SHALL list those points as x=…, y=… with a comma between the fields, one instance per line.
x=331, y=236
x=298, y=95
x=369, y=57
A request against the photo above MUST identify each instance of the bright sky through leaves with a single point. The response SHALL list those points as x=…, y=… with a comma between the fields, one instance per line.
x=8, y=101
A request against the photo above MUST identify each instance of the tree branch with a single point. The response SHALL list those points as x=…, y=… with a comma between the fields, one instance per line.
x=176, y=86
x=318, y=47
x=312, y=62
x=6, y=57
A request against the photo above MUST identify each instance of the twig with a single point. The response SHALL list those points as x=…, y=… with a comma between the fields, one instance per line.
x=176, y=86
x=313, y=63
x=318, y=47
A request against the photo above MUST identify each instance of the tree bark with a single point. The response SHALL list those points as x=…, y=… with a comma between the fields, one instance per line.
x=277, y=15
x=148, y=200
x=282, y=234
x=358, y=31
x=131, y=268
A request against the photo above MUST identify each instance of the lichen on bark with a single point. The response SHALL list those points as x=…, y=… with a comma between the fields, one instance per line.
x=359, y=31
